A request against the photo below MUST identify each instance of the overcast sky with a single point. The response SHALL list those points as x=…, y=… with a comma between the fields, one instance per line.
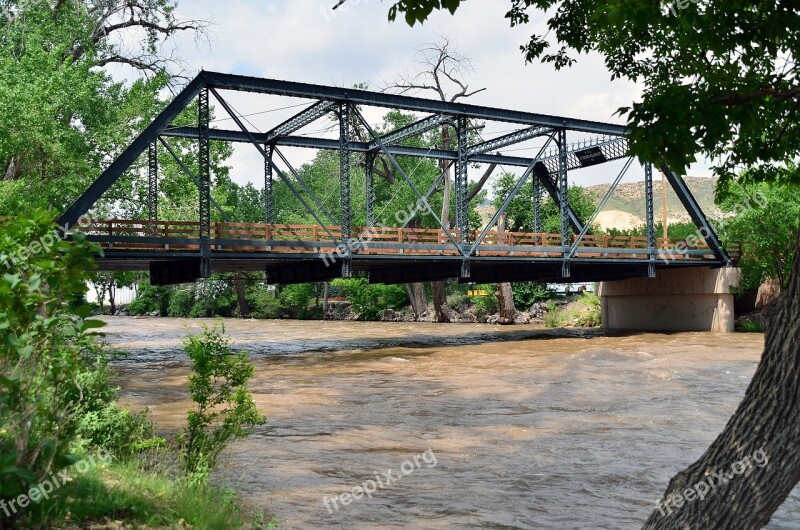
x=303, y=40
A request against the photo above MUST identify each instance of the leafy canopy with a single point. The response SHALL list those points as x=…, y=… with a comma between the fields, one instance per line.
x=717, y=78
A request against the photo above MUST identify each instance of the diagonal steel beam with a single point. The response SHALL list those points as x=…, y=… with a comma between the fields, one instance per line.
x=508, y=139
x=599, y=208
x=697, y=215
x=552, y=189
x=412, y=130
x=405, y=176
x=510, y=197
x=297, y=122
x=264, y=153
x=131, y=153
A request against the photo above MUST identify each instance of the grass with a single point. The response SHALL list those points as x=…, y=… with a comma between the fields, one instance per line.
x=129, y=495
x=584, y=312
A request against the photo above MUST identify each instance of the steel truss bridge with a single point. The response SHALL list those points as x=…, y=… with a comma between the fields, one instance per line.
x=175, y=251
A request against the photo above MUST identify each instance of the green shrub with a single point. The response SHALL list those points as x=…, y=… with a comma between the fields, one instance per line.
x=528, y=293
x=180, y=303
x=43, y=349
x=370, y=300
x=750, y=326
x=485, y=305
x=224, y=408
x=150, y=299
x=264, y=303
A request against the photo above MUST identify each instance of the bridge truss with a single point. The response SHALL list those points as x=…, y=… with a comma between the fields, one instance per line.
x=457, y=252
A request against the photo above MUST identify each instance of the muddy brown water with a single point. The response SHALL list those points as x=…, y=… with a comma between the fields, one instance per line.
x=529, y=428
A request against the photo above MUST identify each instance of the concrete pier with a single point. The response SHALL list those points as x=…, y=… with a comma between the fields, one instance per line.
x=688, y=299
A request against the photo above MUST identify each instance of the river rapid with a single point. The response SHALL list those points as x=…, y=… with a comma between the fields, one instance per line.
x=511, y=427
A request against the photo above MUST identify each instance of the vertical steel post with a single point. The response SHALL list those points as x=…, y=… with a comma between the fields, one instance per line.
x=651, y=231
x=204, y=176
x=566, y=239
x=152, y=183
x=269, y=201
x=537, y=203
x=370, y=189
x=345, y=206
x=462, y=185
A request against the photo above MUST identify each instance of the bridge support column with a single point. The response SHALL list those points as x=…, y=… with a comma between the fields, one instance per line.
x=269, y=203
x=204, y=176
x=344, y=188
x=679, y=299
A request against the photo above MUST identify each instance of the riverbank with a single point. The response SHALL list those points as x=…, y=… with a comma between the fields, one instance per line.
x=529, y=427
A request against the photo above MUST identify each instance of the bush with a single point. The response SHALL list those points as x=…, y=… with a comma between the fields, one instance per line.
x=528, y=293
x=224, y=407
x=181, y=302
x=295, y=300
x=43, y=349
x=263, y=303
x=485, y=305
x=370, y=300
x=150, y=299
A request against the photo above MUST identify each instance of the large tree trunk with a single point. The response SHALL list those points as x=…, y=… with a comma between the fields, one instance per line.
x=765, y=427
x=438, y=291
x=12, y=170
x=416, y=295
x=505, y=295
x=238, y=285
x=442, y=312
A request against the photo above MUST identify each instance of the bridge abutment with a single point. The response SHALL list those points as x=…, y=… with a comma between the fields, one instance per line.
x=685, y=299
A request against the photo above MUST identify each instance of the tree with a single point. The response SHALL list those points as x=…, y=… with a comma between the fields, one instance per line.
x=765, y=221
x=63, y=116
x=719, y=79
x=441, y=70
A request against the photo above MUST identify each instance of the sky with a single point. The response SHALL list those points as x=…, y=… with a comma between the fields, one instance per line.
x=304, y=40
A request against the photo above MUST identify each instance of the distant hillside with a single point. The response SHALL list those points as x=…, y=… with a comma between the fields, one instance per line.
x=629, y=198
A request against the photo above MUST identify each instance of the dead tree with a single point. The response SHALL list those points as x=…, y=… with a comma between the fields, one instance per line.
x=440, y=69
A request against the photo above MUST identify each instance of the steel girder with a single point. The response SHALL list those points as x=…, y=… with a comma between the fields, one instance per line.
x=378, y=99
x=152, y=182
x=204, y=176
x=345, y=206
x=369, y=192
x=297, y=122
x=697, y=215
x=649, y=212
x=563, y=188
x=269, y=199
x=410, y=131
x=509, y=139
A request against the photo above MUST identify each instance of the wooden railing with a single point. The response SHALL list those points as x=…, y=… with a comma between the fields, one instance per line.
x=246, y=237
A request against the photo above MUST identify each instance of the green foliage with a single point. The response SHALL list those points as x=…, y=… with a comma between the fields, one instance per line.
x=43, y=348
x=528, y=293
x=181, y=301
x=370, y=300
x=294, y=301
x=485, y=305
x=520, y=213
x=224, y=407
x=765, y=219
x=555, y=317
x=591, y=317
x=750, y=326
x=143, y=495
x=150, y=299
x=714, y=76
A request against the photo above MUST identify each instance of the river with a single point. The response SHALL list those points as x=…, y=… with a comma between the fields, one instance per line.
x=511, y=427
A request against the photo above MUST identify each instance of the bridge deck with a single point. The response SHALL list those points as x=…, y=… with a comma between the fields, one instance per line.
x=390, y=254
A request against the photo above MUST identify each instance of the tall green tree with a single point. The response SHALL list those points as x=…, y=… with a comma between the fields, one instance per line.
x=718, y=79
